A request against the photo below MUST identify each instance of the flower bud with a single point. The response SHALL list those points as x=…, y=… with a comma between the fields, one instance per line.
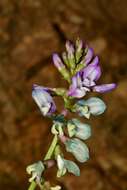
x=78, y=129
x=79, y=50
x=61, y=67
x=94, y=106
x=57, y=61
x=71, y=57
x=78, y=149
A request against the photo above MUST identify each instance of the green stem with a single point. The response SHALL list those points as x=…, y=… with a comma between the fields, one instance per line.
x=51, y=148
x=47, y=156
x=32, y=185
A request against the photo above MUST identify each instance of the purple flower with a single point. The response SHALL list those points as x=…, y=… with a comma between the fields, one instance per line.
x=43, y=99
x=77, y=89
x=85, y=80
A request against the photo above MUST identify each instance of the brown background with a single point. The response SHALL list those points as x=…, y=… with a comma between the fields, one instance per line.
x=30, y=31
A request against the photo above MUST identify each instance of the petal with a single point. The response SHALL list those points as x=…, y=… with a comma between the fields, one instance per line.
x=95, y=61
x=96, y=105
x=89, y=56
x=75, y=89
x=72, y=167
x=73, y=86
x=78, y=149
x=74, y=81
x=83, y=130
x=40, y=95
x=43, y=99
x=95, y=75
x=77, y=93
x=45, y=109
x=61, y=166
x=104, y=87
x=51, y=91
x=88, y=70
x=88, y=83
x=60, y=162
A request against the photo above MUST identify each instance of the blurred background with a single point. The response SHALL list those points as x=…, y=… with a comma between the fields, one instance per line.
x=30, y=31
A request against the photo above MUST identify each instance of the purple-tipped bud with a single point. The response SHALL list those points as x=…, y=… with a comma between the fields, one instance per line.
x=57, y=61
x=43, y=100
x=104, y=87
x=79, y=45
x=70, y=49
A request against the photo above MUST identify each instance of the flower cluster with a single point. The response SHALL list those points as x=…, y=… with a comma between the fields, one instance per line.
x=81, y=69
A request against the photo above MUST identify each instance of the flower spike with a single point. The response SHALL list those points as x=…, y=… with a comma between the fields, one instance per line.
x=80, y=67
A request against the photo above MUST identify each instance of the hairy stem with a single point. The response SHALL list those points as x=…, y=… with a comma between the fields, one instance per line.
x=47, y=157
